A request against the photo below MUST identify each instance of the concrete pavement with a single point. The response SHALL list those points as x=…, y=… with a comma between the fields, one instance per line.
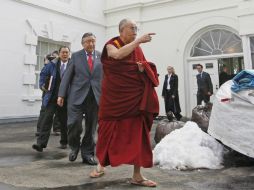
x=21, y=168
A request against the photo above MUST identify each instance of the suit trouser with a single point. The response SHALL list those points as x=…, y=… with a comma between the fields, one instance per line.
x=75, y=116
x=201, y=97
x=56, y=122
x=47, y=120
x=42, y=111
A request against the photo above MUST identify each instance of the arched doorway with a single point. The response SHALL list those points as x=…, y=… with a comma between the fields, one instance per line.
x=214, y=48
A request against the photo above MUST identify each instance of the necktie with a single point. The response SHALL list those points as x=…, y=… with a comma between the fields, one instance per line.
x=62, y=70
x=90, y=62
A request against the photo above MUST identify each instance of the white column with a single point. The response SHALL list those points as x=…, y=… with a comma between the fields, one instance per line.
x=246, y=52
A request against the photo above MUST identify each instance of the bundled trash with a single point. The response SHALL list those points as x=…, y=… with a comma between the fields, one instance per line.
x=166, y=126
x=201, y=115
x=232, y=119
x=188, y=148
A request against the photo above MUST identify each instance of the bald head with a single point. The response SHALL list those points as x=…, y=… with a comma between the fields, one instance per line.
x=128, y=30
x=123, y=23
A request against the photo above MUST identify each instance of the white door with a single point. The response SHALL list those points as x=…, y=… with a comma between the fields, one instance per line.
x=210, y=66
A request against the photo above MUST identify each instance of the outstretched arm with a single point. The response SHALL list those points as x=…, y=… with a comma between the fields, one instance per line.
x=128, y=48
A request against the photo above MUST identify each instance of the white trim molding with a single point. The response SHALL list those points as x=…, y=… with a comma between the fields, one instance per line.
x=29, y=62
x=67, y=11
x=168, y=9
x=247, y=52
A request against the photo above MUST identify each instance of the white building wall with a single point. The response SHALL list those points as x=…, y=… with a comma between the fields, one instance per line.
x=22, y=22
x=176, y=23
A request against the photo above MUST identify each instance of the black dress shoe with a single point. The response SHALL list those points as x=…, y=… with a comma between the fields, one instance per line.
x=37, y=147
x=73, y=155
x=90, y=161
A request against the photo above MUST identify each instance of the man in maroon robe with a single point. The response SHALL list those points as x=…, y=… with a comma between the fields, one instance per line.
x=128, y=104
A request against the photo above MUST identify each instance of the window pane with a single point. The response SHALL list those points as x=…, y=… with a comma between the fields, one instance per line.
x=38, y=48
x=252, y=50
x=44, y=48
x=216, y=42
x=201, y=52
x=36, y=86
x=252, y=58
x=225, y=37
x=52, y=47
x=41, y=62
x=216, y=37
x=58, y=47
x=207, y=39
x=37, y=66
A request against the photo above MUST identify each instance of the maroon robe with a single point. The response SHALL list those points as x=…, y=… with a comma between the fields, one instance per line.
x=128, y=105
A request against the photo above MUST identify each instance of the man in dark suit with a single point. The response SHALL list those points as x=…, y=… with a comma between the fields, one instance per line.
x=205, y=86
x=224, y=76
x=47, y=59
x=170, y=93
x=56, y=123
x=83, y=76
x=50, y=78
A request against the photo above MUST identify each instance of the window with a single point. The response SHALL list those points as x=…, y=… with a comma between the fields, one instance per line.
x=252, y=50
x=216, y=42
x=43, y=48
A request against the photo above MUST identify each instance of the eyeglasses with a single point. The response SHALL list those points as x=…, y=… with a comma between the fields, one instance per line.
x=134, y=28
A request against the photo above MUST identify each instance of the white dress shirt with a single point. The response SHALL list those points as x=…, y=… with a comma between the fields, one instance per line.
x=201, y=74
x=168, y=84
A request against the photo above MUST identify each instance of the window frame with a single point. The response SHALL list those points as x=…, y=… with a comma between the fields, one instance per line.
x=251, y=38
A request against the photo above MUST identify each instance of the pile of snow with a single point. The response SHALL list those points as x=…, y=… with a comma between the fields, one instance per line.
x=188, y=148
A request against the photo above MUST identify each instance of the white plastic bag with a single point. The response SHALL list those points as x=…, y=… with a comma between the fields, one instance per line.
x=232, y=122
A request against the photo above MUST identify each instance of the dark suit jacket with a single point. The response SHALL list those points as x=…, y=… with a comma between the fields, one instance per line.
x=204, y=84
x=173, y=85
x=224, y=77
x=79, y=78
x=47, y=72
x=171, y=104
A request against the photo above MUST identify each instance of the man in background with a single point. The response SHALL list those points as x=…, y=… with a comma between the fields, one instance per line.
x=47, y=59
x=83, y=77
x=50, y=78
x=224, y=76
x=205, y=86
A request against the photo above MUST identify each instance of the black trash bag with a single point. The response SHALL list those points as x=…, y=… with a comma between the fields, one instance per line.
x=165, y=127
x=201, y=116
